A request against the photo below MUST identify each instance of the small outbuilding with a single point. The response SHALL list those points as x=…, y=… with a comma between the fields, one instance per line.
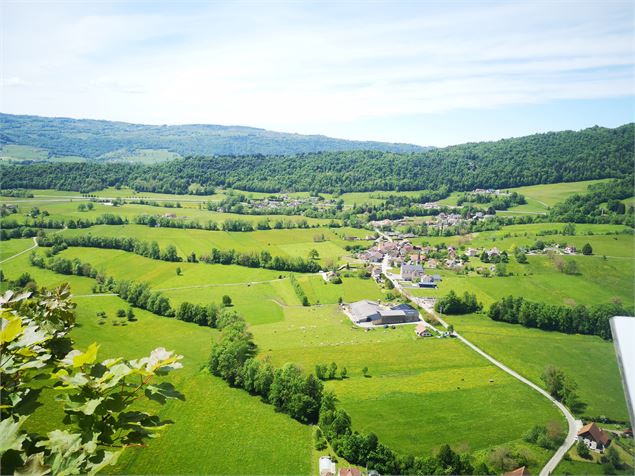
x=422, y=330
x=522, y=471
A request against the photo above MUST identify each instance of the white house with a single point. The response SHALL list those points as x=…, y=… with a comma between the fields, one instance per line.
x=327, y=467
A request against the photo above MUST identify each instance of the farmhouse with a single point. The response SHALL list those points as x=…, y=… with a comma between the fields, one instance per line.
x=594, y=437
x=410, y=271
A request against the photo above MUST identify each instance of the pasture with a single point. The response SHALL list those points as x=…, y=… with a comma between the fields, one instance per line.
x=589, y=360
x=293, y=242
x=224, y=430
x=419, y=394
x=63, y=208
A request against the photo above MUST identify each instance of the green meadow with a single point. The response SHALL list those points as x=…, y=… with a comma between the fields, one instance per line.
x=589, y=360
x=63, y=208
x=539, y=197
x=223, y=430
x=414, y=384
x=292, y=242
x=420, y=393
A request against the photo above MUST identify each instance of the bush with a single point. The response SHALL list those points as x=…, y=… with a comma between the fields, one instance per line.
x=583, y=450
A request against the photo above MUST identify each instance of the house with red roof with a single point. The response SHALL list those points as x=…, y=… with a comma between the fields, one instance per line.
x=594, y=437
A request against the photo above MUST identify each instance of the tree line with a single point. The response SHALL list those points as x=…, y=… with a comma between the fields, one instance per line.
x=138, y=294
x=537, y=159
x=579, y=319
x=452, y=303
x=261, y=260
x=151, y=250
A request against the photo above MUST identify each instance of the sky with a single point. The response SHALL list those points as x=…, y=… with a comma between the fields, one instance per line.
x=428, y=73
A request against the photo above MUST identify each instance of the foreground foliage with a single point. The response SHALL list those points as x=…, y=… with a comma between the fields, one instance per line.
x=100, y=421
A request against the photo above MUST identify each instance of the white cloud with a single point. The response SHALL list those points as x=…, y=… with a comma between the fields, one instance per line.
x=294, y=67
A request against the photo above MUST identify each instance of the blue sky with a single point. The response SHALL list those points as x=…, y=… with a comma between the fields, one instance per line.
x=430, y=73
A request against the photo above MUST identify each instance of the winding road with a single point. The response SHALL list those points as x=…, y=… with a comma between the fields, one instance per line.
x=573, y=424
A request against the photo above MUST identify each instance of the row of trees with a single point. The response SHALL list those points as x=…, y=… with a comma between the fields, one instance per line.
x=51, y=223
x=234, y=359
x=138, y=294
x=261, y=260
x=298, y=290
x=227, y=225
x=578, y=319
x=452, y=303
x=133, y=245
x=497, y=202
x=287, y=388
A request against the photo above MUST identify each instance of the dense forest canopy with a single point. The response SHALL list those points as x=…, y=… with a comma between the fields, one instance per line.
x=107, y=140
x=541, y=158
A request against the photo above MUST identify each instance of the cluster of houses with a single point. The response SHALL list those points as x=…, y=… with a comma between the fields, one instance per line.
x=284, y=201
x=489, y=191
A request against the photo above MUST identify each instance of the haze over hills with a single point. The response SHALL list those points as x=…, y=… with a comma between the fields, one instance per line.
x=52, y=138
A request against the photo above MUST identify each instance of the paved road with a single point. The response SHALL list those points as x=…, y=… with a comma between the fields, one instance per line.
x=21, y=252
x=573, y=424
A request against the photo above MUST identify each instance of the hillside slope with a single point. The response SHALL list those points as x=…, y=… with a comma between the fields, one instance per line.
x=541, y=158
x=47, y=138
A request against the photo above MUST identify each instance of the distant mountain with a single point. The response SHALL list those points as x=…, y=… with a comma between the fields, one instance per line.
x=34, y=138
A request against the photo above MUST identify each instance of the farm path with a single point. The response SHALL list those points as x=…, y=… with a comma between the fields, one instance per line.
x=573, y=424
x=35, y=245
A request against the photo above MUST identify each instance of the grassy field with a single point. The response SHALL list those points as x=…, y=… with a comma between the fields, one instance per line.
x=420, y=393
x=412, y=388
x=589, y=360
x=63, y=208
x=224, y=430
x=539, y=197
x=293, y=242
x=12, y=247
x=598, y=281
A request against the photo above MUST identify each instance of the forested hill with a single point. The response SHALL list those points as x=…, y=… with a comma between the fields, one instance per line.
x=120, y=141
x=542, y=158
